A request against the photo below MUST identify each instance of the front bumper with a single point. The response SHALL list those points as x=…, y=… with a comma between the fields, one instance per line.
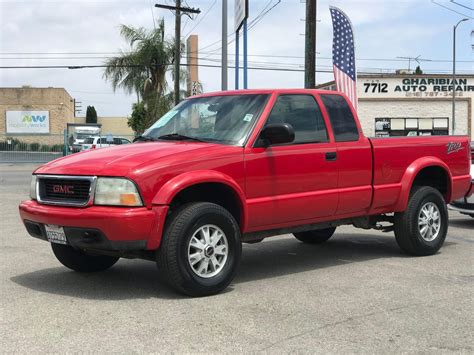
x=98, y=227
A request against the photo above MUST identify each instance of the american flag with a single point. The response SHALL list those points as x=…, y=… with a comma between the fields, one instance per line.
x=343, y=57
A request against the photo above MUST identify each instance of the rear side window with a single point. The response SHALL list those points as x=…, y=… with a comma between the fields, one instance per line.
x=342, y=120
x=303, y=114
x=103, y=141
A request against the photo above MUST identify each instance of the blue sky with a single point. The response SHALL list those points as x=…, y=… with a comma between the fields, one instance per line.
x=384, y=30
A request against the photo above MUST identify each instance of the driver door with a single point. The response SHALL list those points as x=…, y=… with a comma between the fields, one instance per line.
x=297, y=181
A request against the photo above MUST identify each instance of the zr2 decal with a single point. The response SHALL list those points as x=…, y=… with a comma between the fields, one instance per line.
x=453, y=147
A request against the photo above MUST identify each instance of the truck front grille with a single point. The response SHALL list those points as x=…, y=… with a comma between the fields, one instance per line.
x=65, y=190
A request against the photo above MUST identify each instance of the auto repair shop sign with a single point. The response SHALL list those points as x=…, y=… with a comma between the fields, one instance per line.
x=415, y=87
x=32, y=122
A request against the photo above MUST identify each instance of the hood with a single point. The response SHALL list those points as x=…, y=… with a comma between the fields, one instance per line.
x=122, y=160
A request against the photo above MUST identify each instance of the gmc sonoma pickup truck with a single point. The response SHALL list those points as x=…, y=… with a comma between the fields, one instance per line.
x=230, y=167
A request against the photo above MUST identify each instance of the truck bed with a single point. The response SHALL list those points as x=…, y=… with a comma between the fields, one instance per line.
x=395, y=158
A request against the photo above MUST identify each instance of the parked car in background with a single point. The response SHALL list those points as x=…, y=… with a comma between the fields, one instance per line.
x=465, y=205
x=102, y=142
x=81, y=133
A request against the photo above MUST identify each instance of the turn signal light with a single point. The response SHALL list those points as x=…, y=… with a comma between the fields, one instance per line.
x=129, y=200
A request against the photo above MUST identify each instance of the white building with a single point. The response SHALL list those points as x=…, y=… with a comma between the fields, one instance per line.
x=401, y=105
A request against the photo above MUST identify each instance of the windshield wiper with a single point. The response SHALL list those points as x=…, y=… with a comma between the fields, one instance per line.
x=179, y=137
x=144, y=139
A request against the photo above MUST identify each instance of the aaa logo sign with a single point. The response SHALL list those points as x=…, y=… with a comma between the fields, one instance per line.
x=32, y=122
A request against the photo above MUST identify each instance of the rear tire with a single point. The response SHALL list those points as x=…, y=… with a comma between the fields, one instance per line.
x=317, y=236
x=201, y=248
x=421, y=229
x=77, y=260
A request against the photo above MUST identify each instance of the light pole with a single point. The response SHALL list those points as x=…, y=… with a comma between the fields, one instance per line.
x=454, y=74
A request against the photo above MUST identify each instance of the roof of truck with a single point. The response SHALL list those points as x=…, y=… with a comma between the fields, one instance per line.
x=264, y=91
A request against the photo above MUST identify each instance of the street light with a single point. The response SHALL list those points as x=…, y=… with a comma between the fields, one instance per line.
x=454, y=73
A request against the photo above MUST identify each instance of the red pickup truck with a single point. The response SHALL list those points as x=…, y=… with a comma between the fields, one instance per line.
x=231, y=167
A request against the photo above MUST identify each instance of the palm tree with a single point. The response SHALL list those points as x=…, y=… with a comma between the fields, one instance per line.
x=143, y=69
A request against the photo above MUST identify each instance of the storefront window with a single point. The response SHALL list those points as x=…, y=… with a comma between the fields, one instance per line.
x=411, y=126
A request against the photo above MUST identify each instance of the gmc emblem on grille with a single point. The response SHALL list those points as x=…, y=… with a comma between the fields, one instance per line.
x=63, y=189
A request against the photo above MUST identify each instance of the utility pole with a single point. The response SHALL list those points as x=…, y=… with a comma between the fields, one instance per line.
x=177, y=40
x=310, y=45
x=224, y=47
x=454, y=74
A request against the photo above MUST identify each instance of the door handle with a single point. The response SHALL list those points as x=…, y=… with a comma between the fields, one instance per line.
x=331, y=156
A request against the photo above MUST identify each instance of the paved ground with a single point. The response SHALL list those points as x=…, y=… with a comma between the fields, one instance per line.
x=357, y=293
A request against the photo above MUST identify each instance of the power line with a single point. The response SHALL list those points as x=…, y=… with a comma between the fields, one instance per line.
x=75, y=67
x=208, y=54
x=200, y=20
x=448, y=8
x=251, y=24
x=462, y=5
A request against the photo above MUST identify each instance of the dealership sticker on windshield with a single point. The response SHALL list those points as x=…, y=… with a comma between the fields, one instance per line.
x=55, y=234
x=248, y=117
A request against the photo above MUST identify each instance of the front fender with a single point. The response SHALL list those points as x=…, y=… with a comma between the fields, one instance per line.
x=410, y=175
x=171, y=188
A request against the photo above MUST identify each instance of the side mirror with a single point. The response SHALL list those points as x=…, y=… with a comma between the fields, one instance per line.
x=277, y=133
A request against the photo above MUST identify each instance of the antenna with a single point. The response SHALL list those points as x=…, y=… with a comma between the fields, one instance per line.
x=417, y=59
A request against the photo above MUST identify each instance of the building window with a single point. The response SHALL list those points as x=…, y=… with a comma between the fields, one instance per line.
x=411, y=126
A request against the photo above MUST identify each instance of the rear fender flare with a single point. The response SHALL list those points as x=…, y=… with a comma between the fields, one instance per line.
x=410, y=175
x=171, y=188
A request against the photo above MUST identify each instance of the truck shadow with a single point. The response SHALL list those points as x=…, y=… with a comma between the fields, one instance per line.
x=137, y=279
x=467, y=222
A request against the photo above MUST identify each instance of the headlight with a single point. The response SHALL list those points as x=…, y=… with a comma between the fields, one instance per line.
x=33, y=187
x=116, y=192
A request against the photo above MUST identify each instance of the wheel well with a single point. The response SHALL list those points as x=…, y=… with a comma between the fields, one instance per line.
x=217, y=193
x=435, y=177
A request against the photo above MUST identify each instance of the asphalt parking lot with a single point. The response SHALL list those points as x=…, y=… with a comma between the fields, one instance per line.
x=355, y=294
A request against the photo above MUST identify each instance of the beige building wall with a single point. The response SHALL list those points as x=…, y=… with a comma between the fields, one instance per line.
x=56, y=101
x=370, y=109
x=413, y=96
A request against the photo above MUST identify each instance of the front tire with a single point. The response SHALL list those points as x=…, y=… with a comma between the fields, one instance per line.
x=421, y=229
x=317, y=236
x=201, y=248
x=77, y=260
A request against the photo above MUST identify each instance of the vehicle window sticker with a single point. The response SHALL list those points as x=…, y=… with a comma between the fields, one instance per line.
x=248, y=117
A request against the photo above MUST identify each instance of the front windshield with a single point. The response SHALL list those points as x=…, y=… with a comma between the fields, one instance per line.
x=220, y=119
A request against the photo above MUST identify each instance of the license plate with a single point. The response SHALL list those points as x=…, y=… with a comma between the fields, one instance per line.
x=55, y=234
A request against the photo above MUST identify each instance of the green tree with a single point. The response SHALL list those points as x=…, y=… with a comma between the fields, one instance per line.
x=418, y=70
x=91, y=115
x=137, y=121
x=142, y=70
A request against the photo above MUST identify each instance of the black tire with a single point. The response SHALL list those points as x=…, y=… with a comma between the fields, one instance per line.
x=407, y=232
x=77, y=260
x=172, y=256
x=317, y=236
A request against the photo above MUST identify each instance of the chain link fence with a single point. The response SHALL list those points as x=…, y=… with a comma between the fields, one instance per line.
x=44, y=148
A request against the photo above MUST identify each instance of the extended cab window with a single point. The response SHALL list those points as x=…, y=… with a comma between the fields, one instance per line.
x=342, y=121
x=303, y=114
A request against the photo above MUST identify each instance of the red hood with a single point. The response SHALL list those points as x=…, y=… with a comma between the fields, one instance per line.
x=122, y=160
